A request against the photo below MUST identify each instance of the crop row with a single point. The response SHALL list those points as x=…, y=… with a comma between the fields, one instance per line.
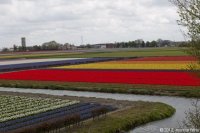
x=165, y=58
x=82, y=110
x=31, y=65
x=14, y=107
x=135, y=65
x=147, y=62
x=107, y=76
x=150, y=63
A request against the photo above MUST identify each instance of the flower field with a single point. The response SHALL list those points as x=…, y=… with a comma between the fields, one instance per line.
x=150, y=63
x=129, y=71
x=130, y=65
x=19, y=113
x=106, y=76
x=14, y=107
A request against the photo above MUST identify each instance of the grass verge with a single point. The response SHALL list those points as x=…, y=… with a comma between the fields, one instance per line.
x=162, y=90
x=127, y=119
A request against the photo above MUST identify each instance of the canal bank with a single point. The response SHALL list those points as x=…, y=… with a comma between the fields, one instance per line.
x=180, y=104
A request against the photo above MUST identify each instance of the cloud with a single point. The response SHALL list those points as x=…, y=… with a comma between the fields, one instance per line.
x=5, y=2
x=97, y=21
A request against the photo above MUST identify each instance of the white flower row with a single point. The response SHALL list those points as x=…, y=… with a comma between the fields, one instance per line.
x=13, y=107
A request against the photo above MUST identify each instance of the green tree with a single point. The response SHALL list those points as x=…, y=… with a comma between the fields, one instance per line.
x=88, y=46
x=14, y=47
x=52, y=45
x=153, y=44
x=189, y=12
x=5, y=50
x=143, y=44
x=147, y=44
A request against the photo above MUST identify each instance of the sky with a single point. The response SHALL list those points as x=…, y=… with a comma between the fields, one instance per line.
x=96, y=21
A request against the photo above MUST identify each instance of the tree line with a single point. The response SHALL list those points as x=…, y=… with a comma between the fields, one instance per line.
x=48, y=46
x=53, y=45
x=136, y=44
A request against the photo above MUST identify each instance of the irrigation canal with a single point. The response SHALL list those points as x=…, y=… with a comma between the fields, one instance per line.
x=181, y=104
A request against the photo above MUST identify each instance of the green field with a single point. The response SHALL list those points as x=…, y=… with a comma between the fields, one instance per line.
x=186, y=91
x=111, y=53
x=183, y=91
x=124, y=120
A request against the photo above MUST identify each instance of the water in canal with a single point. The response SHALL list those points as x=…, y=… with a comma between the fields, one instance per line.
x=181, y=104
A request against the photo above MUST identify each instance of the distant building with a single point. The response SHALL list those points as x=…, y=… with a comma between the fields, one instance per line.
x=165, y=43
x=23, y=42
x=104, y=45
x=67, y=46
x=11, y=49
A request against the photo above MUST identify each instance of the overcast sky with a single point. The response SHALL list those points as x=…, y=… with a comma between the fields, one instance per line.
x=98, y=21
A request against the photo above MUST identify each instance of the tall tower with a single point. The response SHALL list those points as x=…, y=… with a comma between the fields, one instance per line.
x=23, y=41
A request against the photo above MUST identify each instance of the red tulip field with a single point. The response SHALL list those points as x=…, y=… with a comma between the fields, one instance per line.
x=100, y=73
x=106, y=76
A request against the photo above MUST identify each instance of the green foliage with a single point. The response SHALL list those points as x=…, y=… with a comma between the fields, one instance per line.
x=126, y=119
x=195, y=49
x=185, y=91
x=5, y=50
x=189, y=12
